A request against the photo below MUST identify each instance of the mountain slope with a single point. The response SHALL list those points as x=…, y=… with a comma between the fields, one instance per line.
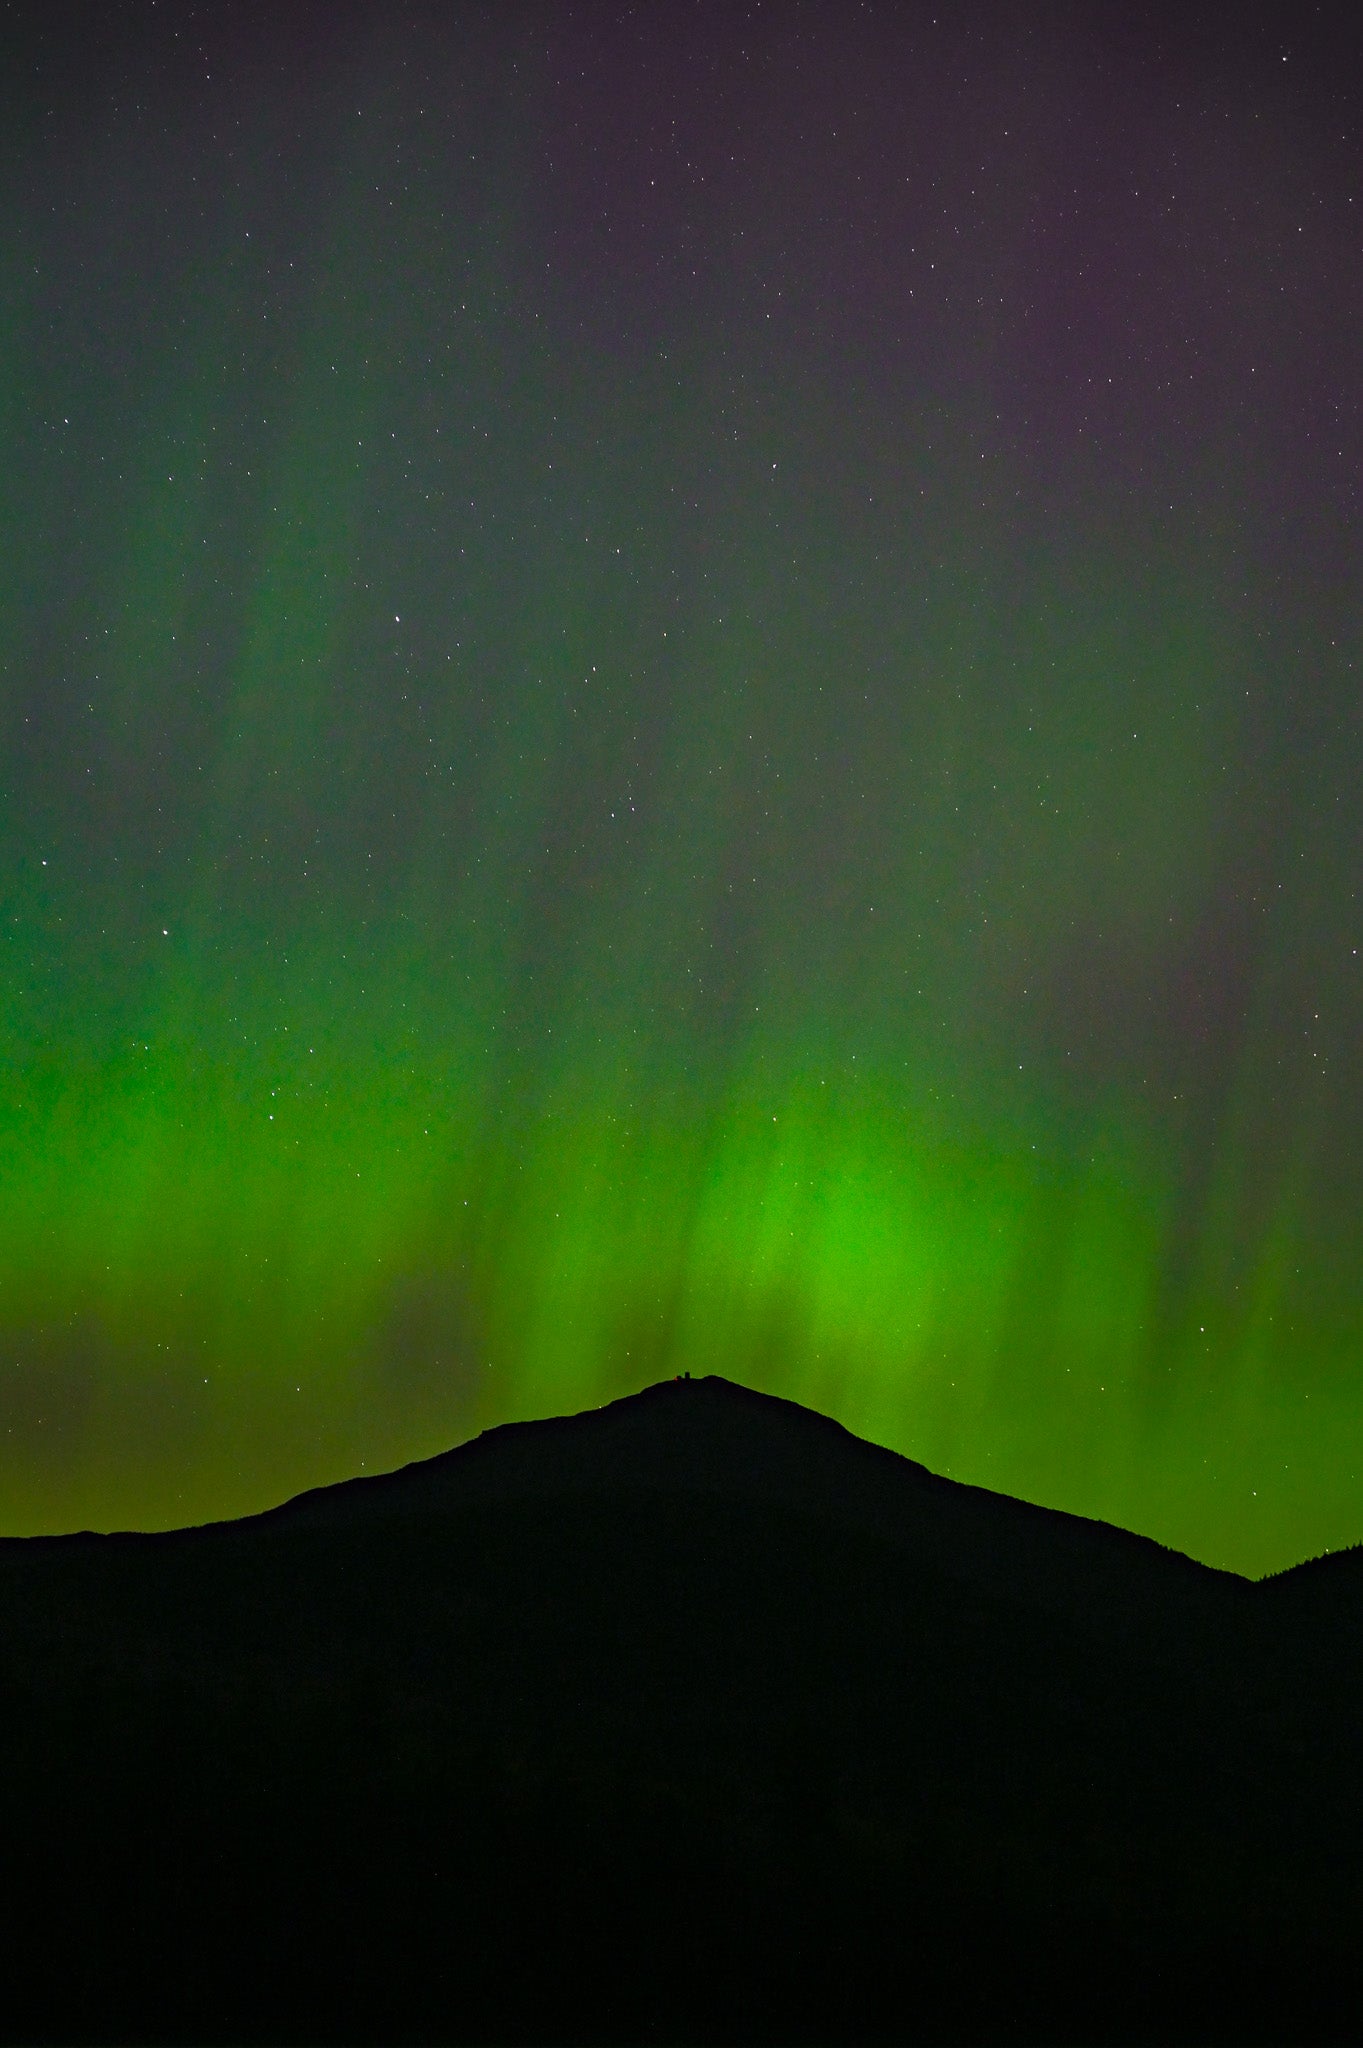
x=692, y=1718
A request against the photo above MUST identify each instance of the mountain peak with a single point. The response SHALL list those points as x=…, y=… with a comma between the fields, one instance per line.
x=711, y=1437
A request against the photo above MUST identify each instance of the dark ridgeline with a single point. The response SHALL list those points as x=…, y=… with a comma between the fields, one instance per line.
x=691, y=1719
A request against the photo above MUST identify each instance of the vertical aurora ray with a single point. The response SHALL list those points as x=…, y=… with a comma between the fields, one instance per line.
x=598, y=785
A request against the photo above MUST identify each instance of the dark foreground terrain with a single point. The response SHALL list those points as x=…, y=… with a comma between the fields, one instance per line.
x=691, y=1719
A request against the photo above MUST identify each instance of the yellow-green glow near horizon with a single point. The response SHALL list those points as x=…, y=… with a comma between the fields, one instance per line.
x=559, y=830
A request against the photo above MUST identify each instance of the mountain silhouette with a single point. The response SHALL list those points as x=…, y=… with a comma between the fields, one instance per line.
x=690, y=1718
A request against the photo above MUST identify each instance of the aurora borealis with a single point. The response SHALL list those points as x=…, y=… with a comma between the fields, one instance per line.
x=680, y=691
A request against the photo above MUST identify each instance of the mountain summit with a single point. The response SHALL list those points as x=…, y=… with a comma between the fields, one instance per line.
x=718, y=1440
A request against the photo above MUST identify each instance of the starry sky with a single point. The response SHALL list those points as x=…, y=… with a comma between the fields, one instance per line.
x=679, y=691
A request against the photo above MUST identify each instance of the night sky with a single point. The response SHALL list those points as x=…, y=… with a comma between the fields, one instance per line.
x=680, y=691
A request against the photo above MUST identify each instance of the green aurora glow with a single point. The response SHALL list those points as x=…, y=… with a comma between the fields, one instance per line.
x=548, y=844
